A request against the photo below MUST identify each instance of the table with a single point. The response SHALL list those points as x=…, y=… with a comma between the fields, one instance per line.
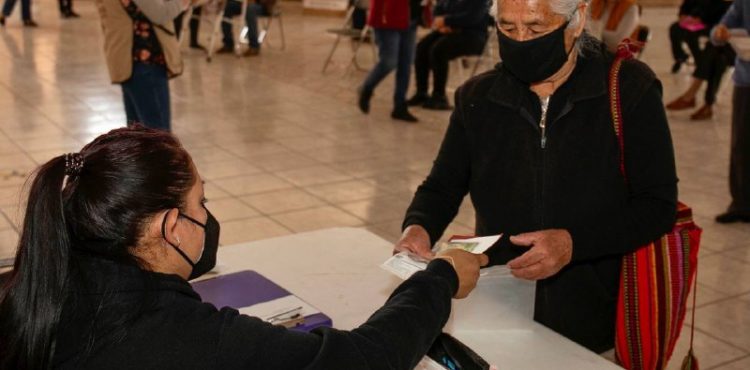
x=337, y=270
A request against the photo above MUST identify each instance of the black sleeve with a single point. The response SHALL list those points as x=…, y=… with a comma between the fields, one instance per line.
x=395, y=337
x=437, y=200
x=468, y=14
x=651, y=206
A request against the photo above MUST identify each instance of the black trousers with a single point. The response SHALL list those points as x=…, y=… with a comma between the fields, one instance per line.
x=193, y=24
x=66, y=6
x=711, y=66
x=739, y=160
x=434, y=52
x=678, y=35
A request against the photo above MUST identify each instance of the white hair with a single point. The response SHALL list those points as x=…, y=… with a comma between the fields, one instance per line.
x=569, y=10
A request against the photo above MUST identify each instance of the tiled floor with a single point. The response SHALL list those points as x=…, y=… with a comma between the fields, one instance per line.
x=284, y=149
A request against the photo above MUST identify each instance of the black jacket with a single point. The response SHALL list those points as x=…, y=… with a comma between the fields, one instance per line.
x=125, y=318
x=465, y=15
x=493, y=151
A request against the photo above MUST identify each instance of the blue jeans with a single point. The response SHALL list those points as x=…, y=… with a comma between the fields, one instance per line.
x=146, y=96
x=395, y=51
x=25, y=8
x=234, y=8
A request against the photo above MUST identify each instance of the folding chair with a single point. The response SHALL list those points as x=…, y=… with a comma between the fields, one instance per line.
x=275, y=14
x=219, y=18
x=357, y=36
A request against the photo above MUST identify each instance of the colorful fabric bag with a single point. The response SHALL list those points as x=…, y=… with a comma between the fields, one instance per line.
x=656, y=278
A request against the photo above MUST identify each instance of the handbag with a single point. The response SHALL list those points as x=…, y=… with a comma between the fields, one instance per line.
x=656, y=278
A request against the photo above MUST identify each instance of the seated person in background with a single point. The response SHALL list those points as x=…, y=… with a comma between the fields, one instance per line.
x=696, y=18
x=614, y=20
x=194, y=25
x=710, y=65
x=459, y=28
x=534, y=147
x=111, y=236
x=233, y=8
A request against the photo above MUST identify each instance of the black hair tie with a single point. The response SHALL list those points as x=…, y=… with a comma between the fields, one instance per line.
x=73, y=164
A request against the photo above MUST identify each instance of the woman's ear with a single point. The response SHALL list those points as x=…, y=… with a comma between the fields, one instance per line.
x=168, y=226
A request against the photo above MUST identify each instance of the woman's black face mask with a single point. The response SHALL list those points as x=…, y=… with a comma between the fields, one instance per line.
x=207, y=259
x=537, y=59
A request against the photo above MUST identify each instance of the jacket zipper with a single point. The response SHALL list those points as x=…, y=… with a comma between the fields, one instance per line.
x=543, y=121
x=543, y=128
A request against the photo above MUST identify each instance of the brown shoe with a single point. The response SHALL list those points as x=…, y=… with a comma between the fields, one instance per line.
x=680, y=104
x=702, y=114
x=251, y=52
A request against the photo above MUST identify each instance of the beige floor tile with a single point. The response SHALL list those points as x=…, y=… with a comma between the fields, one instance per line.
x=283, y=161
x=316, y=218
x=377, y=210
x=725, y=274
x=213, y=192
x=4, y=223
x=346, y=191
x=709, y=350
x=741, y=364
x=218, y=170
x=258, y=228
x=728, y=320
x=282, y=201
x=742, y=253
x=313, y=176
x=251, y=184
x=10, y=195
x=229, y=209
x=8, y=243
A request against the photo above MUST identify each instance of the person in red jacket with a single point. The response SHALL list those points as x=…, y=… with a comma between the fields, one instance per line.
x=395, y=25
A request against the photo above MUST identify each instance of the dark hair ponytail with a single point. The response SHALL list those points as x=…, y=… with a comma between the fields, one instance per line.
x=101, y=209
x=29, y=312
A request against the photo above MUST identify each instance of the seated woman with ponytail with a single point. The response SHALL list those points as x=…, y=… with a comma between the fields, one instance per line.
x=110, y=237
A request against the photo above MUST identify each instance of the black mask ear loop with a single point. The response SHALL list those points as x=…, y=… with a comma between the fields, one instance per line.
x=164, y=235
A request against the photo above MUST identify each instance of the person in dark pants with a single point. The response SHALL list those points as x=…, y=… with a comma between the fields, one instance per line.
x=738, y=16
x=66, y=9
x=25, y=12
x=233, y=8
x=394, y=23
x=193, y=24
x=713, y=63
x=144, y=62
x=705, y=12
x=460, y=28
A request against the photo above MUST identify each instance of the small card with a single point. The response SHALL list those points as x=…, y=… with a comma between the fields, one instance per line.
x=476, y=245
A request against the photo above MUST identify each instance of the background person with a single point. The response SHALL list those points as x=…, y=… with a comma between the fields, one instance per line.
x=142, y=54
x=25, y=12
x=233, y=8
x=459, y=28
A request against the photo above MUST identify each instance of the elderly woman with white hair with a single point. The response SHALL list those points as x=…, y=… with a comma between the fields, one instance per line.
x=532, y=142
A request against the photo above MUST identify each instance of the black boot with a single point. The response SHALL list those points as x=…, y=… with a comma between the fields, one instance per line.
x=364, y=99
x=437, y=103
x=401, y=113
x=418, y=99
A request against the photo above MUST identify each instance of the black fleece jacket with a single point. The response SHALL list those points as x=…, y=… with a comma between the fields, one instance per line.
x=493, y=151
x=121, y=317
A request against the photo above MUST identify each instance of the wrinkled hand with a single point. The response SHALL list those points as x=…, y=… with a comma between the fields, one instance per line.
x=416, y=240
x=721, y=33
x=466, y=265
x=438, y=22
x=549, y=252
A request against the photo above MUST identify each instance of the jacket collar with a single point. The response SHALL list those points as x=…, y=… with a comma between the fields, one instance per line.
x=588, y=80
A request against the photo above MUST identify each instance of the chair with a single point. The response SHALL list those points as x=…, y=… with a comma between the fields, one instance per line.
x=218, y=19
x=275, y=14
x=357, y=36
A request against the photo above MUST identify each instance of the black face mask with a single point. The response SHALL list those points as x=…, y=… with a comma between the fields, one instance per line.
x=207, y=259
x=536, y=59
